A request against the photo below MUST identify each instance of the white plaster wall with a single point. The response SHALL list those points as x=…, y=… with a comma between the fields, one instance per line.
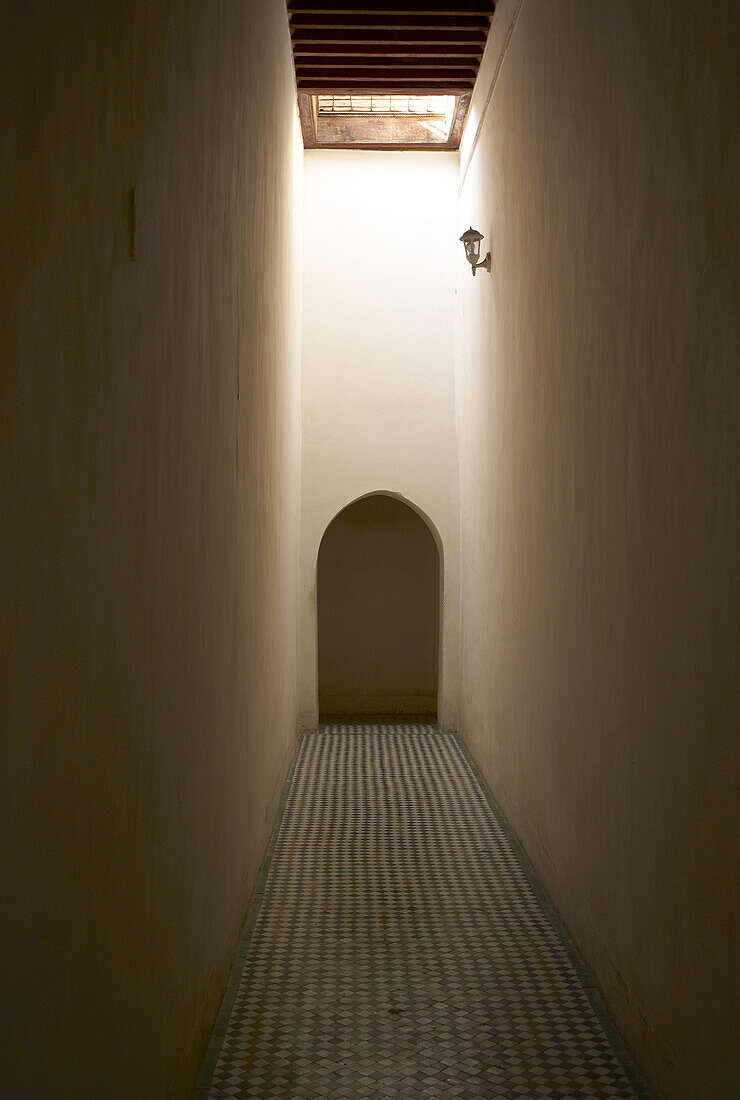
x=597, y=383
x=380, y=239
x=149, y=517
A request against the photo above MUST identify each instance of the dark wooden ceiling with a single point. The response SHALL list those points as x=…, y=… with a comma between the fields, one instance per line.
x=423, y=47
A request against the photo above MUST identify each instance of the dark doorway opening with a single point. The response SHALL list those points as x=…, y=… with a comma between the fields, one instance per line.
x=378, y=594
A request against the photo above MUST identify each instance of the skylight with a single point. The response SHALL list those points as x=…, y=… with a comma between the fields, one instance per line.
x=385, y=104
x=382, y=120
x=384, y=75
x=372, y=119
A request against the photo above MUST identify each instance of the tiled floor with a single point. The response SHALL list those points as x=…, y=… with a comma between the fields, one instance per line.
x=401, y=949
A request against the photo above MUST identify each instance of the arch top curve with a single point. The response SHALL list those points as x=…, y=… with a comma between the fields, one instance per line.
x=395, y=495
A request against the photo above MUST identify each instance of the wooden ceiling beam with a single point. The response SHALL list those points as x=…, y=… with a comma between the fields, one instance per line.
x=392, y=21
x=411, y=50
x=413, y=66
x=402, y=7
x=384, y=87
x=388, y=78
x=329, y=37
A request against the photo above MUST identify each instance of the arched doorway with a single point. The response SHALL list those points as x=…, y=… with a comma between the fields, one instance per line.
x=378, y=596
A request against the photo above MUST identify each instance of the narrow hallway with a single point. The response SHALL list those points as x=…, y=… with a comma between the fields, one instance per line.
x=369, y=363
x=400, y=945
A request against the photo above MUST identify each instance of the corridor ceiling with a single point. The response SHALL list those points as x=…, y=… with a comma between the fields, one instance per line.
x=373, y=75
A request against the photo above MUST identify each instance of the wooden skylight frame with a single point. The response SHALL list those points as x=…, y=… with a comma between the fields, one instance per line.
x=404, y=47
x=378, y=129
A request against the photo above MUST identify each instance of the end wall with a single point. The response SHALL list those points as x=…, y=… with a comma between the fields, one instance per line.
x=378, y=386
x=596, y=373
x=150, y=515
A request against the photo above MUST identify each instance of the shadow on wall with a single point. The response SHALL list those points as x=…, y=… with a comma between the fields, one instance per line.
x=378, y=595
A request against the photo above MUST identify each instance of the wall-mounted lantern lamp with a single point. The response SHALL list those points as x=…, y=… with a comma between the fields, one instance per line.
x=471, y=238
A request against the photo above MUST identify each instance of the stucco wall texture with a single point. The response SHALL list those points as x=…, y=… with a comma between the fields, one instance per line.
x=595, y=394
x=378, y=386
x=150, y=512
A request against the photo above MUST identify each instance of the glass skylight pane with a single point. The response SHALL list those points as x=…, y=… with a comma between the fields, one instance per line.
x=352, y=103
x=386, y=119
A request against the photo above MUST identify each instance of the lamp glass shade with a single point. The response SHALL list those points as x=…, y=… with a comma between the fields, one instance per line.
x=471, y=238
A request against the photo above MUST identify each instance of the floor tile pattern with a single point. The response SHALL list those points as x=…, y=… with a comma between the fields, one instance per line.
x=400, y=949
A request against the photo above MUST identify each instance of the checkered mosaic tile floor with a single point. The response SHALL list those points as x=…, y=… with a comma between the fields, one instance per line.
x=400, y=948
